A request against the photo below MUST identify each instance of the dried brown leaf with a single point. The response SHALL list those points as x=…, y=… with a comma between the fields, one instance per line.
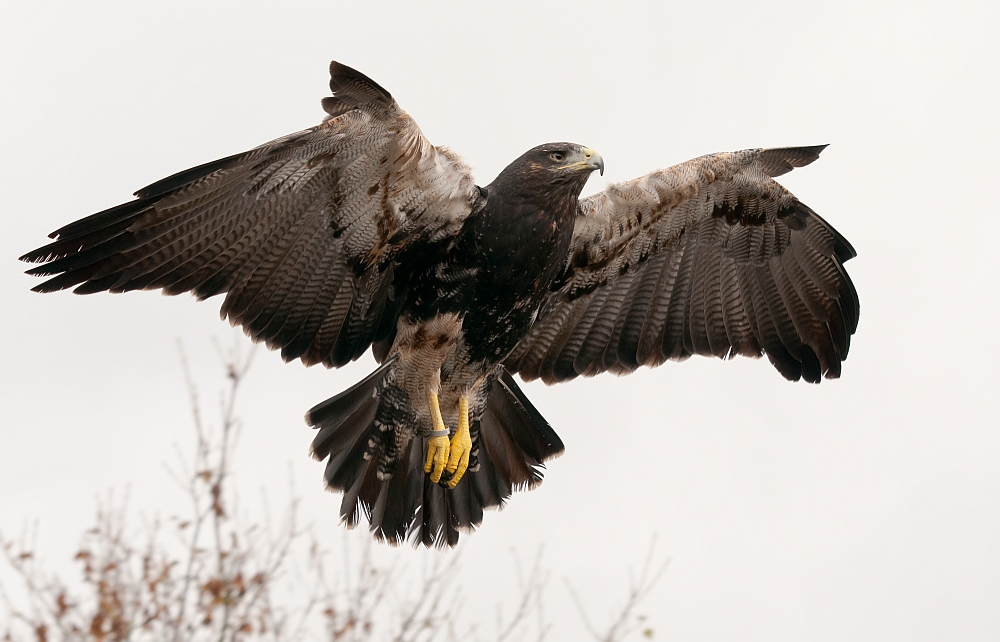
x=62, y=605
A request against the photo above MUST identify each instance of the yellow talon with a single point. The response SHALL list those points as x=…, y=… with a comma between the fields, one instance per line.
x=461, y=446
x=437, y=447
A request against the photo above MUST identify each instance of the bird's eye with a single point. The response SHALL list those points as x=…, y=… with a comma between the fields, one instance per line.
x=557, y=156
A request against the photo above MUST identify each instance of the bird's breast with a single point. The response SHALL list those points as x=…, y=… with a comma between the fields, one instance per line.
x=518, y=253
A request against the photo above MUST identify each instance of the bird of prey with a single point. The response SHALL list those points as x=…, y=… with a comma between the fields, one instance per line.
x=359, y=233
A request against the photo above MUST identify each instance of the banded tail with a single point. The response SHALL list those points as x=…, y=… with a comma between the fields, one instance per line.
x=511, y=436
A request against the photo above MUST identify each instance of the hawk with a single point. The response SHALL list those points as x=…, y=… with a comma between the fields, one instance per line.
x=359, y=233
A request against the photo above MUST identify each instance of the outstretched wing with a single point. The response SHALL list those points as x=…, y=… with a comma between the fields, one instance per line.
x=299, y=232
x=708, y=257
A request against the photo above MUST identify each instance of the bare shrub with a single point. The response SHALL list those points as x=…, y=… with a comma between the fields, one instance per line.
x=212, y=575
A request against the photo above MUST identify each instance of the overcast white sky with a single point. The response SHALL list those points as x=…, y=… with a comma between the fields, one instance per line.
x=866, y=508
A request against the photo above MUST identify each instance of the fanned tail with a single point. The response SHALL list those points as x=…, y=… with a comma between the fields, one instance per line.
x=511, y=441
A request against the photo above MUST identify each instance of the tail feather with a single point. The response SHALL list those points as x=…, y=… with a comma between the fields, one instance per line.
x=516, y=436
x=333, y=412
x=347, y=464
x=489, y=487
x=435, y=529
x=396, y=502
x=352, y=505
x=514, y=440
x=345, y=428
x=466, y=504
x=532, y=432
x=515, y=471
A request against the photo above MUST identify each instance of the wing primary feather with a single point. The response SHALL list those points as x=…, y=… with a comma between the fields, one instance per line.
x=769, y=334
x=213, y=226
x=323, y=305
x=542, y=336
x=186, y=177
x=305, y=295
x=603, y=353
x=280, y=242
x=641, y=302
x=288, y=270
x=673, y=345
x=320, y=350
x=551, y=365
x=153, y=267
x=111, y=217
x=781, y=315
x=808, y=315
x=565, y=367
x=89, y=237
x=739, y=334
x=596, y=349
x=715, y=325
x=813, y=347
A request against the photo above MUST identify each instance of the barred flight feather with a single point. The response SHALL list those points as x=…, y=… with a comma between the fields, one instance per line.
x=729, y=287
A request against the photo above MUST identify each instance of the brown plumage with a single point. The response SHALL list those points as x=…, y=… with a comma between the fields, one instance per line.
x=709, y=257
x=289, y=231
x=358, y=233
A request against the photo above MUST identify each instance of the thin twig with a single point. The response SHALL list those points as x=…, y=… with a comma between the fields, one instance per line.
x=623, y=624
x=531, y=592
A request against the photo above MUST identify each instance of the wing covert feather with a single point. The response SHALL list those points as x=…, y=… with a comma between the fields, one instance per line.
x=708, y=257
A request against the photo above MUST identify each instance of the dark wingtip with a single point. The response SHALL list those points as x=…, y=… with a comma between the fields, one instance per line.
x=34, y=256
x=182, y=178
x=344, y=79
x=781, y=160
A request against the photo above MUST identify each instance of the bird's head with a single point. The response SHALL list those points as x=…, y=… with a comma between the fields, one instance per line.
x=563, y=159
x=551, y=165
x=568, y=157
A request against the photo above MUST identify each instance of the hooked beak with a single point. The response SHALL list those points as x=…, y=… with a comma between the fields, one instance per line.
x=593, y=160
